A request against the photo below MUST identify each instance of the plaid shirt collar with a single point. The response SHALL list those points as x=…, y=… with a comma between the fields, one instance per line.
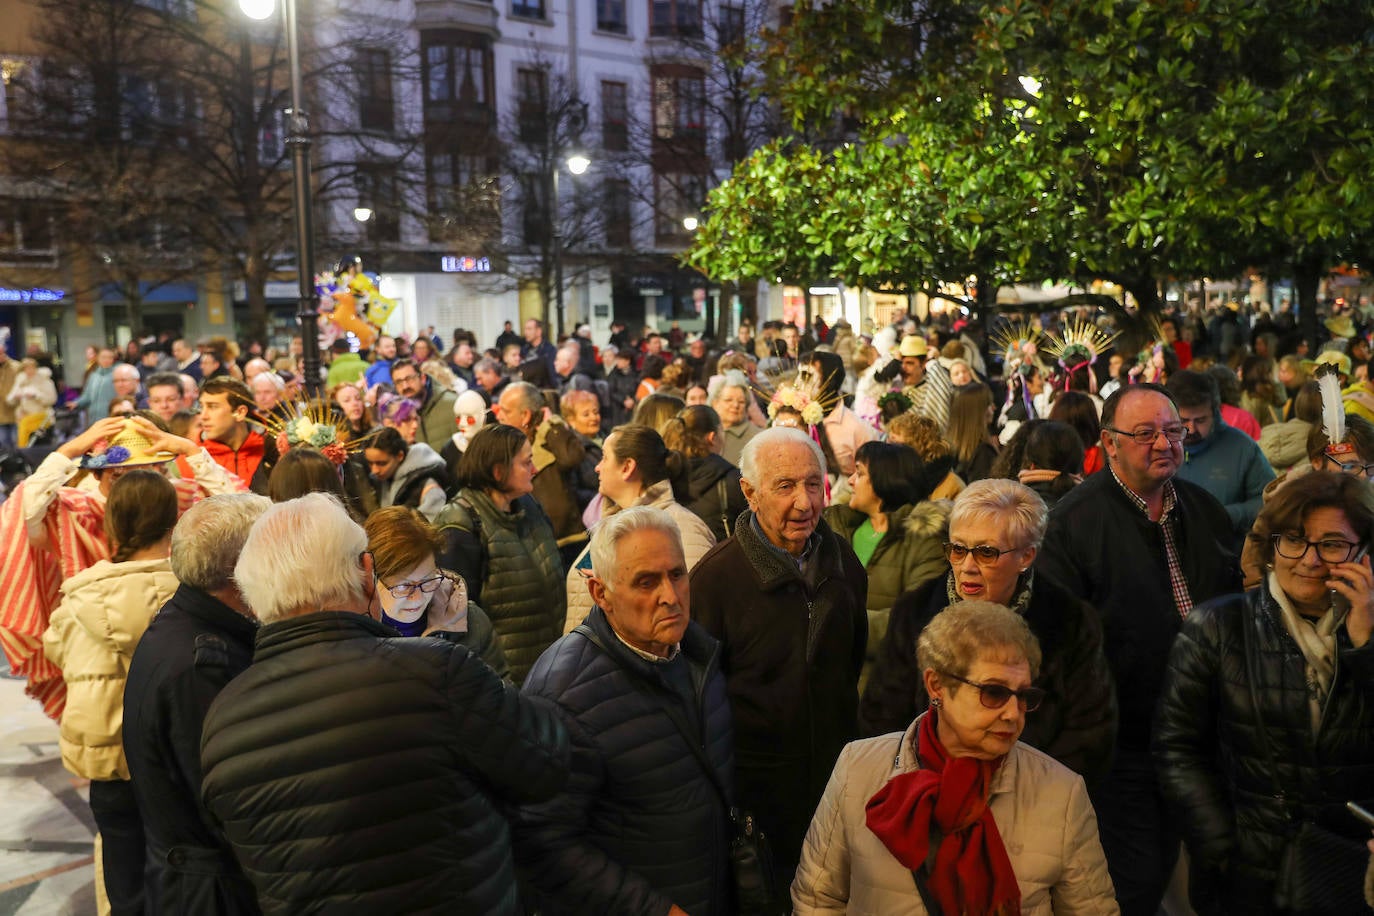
x=1170, y=498
x=1168, y=526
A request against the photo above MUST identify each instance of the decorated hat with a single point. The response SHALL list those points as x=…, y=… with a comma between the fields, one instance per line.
x=128, y=448
x=1079, y=345
x=1019, y=344
x=913, y=345
x=316, y=428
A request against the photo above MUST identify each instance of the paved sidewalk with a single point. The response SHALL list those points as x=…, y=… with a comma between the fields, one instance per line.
x=46, y=830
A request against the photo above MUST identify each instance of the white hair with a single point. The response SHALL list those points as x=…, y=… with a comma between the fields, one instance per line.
x=615, y=528
x=772, y=437
x=207, y=541
x=275, y=380
x=301, y=556
x=124, y=370
x=733, y=378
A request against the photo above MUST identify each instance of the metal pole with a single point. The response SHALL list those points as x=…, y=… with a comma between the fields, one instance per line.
x=557, y=251
x=307, y=309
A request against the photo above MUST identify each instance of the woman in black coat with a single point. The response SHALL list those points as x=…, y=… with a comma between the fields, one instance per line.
x=1076, y=724
x=1266, y=719
x=713, y=489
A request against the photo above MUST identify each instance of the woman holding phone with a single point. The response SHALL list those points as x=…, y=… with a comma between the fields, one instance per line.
x=1265, y=726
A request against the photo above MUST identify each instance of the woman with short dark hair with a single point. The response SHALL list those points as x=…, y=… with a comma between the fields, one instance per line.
x=502, y=544
x=1265, y=724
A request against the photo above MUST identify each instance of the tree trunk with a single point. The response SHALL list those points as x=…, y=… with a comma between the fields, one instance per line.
x=723, y=310
x=1307, y=275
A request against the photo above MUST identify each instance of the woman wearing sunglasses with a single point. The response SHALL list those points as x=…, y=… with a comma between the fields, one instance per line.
x=1265, y=724
x=954, y=815
x=417, y=598
x=995, y=530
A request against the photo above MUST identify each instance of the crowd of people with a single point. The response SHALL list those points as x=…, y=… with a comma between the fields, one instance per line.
x=938, y=619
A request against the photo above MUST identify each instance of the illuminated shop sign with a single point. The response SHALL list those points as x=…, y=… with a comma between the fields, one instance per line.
x=452, y=264
x=31, y=294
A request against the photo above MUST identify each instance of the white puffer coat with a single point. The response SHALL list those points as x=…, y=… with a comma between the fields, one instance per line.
x=91, y=637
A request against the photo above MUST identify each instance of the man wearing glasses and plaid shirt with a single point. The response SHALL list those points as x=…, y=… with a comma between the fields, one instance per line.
x=1143, y=547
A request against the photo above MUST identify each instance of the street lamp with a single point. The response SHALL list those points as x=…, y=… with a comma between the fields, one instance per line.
x=297, y=138
x=690, y=223
x=362, y=214
x=577, y=164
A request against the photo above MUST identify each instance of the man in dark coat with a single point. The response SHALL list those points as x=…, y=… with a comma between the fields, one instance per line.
x=643, y=826
x=197, y=643
x=786, y=598
x=1143, y=548
x=356, y=771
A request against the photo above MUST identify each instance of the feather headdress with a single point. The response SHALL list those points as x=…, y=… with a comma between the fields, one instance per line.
x=316, y=426
x=1333, y=409
x=1080, y=345
x=1018, y=343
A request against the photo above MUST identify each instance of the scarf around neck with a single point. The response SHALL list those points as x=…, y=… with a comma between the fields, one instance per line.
x=1317, y=641
x=946, y=801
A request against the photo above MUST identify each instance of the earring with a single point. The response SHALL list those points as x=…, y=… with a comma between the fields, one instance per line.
x=935, y=702
x=1023, y=569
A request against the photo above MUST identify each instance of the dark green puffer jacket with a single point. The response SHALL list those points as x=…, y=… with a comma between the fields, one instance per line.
x=912, y=552
x=511, y=564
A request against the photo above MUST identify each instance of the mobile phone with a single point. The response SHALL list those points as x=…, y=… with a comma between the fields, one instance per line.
x=1339, y=603
x=1361, y=813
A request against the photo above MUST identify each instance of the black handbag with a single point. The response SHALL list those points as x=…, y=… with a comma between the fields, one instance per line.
x=751, y=858
x=1321, y=873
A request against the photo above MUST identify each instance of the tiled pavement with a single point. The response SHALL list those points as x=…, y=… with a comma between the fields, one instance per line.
x=46, y=830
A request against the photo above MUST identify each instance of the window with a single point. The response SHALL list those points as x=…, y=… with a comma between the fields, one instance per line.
x=730, y=28
x=151, y=110
x=272, y=138
x=376, y=184
x=615, y=114
x=527, y=9
x=457, y=77
x=616, y=212
x=676, y=196
x=531, y=91
x=26, y=233
x=679, y=103
x=675, y=18
x=610, y=16
x=376, y=111
x=465, y=194
x=535, y=221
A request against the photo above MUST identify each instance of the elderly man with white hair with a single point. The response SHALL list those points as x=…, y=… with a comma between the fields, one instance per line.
x=199, y=641
x=355, y=771
x=643, y=825
x=786, y=597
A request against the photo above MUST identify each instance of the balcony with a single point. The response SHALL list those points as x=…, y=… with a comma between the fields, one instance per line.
x=468, y=15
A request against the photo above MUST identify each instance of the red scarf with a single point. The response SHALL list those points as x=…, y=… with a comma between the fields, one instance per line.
x=972, y=875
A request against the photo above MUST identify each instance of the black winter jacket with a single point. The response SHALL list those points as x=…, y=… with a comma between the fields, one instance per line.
x=194, y=646
x=792, y=650
x=706, y=477
x=1104, y=550
x=1076, y=724
x=1212, y=764
x=640, y=826
x=355, y=771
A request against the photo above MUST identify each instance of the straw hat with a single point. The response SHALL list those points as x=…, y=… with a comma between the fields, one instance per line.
x=1328, y=357
x=128, y=448
x=913, y=345
x=1340, y=326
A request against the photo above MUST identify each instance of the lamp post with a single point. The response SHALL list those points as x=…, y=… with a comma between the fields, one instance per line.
x=298, y=139
x=577, y=164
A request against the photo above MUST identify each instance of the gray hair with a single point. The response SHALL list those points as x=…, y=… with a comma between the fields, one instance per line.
x=613, y=529
x=487, y=364
x=301, y=556
x=965, y=631
x=772, y=437
x=733, y=378
x=529, y=397
x=125, y=370
x=277, y=384
x=1007, y=503
x=207, y=541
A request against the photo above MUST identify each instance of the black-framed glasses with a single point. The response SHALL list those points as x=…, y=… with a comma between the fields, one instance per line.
x=1351, y=467
x=403, y=379
x=405, y=590
x=983, y=554
x=1329, y=550
x=1174, y=434
x=995, y=696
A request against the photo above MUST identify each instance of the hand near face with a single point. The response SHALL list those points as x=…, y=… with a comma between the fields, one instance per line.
x=105, y=429
x=1355, y=582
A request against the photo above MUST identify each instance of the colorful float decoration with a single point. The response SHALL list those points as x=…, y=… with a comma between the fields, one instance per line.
x=350, y=303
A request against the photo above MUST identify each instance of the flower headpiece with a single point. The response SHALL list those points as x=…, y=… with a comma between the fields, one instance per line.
x=1079, y=345
x=804, y=395
x=316, y=428
x=127, y=448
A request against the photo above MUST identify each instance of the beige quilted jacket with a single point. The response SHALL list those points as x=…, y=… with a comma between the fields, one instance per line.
x=1041, y=808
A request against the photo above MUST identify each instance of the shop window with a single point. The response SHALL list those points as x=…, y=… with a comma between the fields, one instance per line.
x=610, y=16
x=675, y=18
x=376, y=109
x=615, y=115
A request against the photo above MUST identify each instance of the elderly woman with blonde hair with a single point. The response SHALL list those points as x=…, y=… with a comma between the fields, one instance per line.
x=955, y=815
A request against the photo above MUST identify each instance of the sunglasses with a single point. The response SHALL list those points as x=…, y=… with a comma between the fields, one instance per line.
x=995, y=696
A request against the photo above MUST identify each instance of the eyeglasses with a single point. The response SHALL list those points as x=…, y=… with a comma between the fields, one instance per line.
x=995, y=696
x=1147, y=436
x=1331, y=550
x=405, y=590
x=1351, y=467
x=399, y=379
x=983, y=554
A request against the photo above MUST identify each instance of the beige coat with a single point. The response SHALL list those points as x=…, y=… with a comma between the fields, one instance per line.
x=1041, y=809
x=697, y=539
x=91, y=637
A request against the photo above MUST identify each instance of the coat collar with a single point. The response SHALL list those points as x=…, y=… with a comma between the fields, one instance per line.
x=304, y=630
x=208, y=609
x=905, y=760
x=772, y=570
